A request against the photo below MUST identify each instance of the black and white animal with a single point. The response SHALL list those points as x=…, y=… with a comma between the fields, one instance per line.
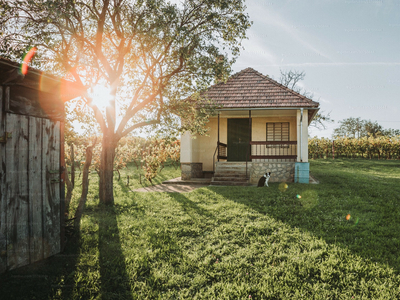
x=264, y=180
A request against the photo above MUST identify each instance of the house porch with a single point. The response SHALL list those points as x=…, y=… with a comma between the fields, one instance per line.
x=201, y=155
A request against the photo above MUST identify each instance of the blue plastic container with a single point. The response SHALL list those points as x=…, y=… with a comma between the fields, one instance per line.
x=302, y=172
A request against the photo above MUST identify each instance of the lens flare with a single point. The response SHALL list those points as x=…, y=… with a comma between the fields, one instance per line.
x=348, y=217
x=101, y=96
x=298, y=196
x=28, y=57
x=283, y=186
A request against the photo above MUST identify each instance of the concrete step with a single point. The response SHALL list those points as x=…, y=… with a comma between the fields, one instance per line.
x=219, y=170
x=235, y=179
x=229, y=183
x=230, y=171
x=231, y=165
x=229, y=174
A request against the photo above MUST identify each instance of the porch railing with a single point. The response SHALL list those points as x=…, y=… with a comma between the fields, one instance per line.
x=221, y=152
x=261, y=150
x=273, y=150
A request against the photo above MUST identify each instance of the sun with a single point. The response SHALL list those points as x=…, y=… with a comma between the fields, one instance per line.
x=101, y=96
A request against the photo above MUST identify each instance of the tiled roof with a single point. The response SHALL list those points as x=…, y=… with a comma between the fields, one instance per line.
x=251, y=89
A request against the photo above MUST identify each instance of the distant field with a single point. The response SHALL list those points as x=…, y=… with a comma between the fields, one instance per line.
x=339, y=239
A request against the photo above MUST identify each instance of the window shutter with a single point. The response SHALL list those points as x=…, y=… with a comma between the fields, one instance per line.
x=278, y=132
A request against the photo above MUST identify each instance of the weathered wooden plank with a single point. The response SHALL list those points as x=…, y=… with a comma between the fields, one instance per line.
x=3, y=202
x=51, y=188
x=17, y=191
x=56, y=185
x=62, y=188
x=45, y=185
x=36, y=103
x=35, y=189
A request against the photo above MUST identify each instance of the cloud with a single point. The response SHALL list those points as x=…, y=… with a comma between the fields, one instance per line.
x=273, y=18
x=259, y=52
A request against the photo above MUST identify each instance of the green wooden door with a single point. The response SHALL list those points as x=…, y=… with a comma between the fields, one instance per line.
x=238, y=139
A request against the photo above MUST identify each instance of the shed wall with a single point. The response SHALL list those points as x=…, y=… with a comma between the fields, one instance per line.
x=30, y=187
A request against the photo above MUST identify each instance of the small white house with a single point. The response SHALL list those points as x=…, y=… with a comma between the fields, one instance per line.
x=261, y=126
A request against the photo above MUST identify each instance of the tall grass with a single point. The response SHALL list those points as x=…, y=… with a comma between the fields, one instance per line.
x=234, y=242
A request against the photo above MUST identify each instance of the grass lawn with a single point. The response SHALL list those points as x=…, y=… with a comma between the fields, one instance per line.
x=233, y=242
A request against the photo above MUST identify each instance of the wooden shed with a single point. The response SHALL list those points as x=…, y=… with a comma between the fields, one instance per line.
x=31, y=165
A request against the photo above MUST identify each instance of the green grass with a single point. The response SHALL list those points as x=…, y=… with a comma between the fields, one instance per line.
x=233, y=242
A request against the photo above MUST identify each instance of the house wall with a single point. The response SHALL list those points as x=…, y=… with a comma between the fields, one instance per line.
x=186, y=147
x=200, y=149
x=259, y=130
x=197, y=149
x=206, y=145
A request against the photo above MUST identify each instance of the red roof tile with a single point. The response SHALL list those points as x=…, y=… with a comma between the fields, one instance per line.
x=251, y=89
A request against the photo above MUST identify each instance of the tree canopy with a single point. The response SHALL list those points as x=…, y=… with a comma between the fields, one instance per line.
x=148, y=52
x=151, y=54
x=358, y=128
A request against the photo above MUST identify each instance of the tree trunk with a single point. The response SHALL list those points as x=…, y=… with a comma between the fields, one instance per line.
x=106, y=189
x=70, y=188
x=72, y=165
x=85, y=186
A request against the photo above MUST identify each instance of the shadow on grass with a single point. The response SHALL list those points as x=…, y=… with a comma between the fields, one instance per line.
x=51, y=278
x=156, y=248
x=373, y=230
x=162, y=252
x=188, y=206
x=115, y=282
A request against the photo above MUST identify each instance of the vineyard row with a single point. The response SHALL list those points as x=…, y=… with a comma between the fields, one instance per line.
x=367, y=147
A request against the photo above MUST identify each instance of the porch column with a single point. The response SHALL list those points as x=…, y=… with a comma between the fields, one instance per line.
x=218, y=140
x=302, y=167
x=250, y=131
x=302, y=137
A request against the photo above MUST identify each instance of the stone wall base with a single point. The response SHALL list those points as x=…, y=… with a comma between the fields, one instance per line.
x=280, y=171
x=191, y=170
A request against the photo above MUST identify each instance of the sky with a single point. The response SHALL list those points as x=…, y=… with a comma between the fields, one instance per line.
x=348, y=49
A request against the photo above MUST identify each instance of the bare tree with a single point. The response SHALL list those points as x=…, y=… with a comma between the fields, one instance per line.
x=290, y=79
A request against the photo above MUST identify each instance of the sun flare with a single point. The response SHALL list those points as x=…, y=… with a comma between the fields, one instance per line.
x=101, y=96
